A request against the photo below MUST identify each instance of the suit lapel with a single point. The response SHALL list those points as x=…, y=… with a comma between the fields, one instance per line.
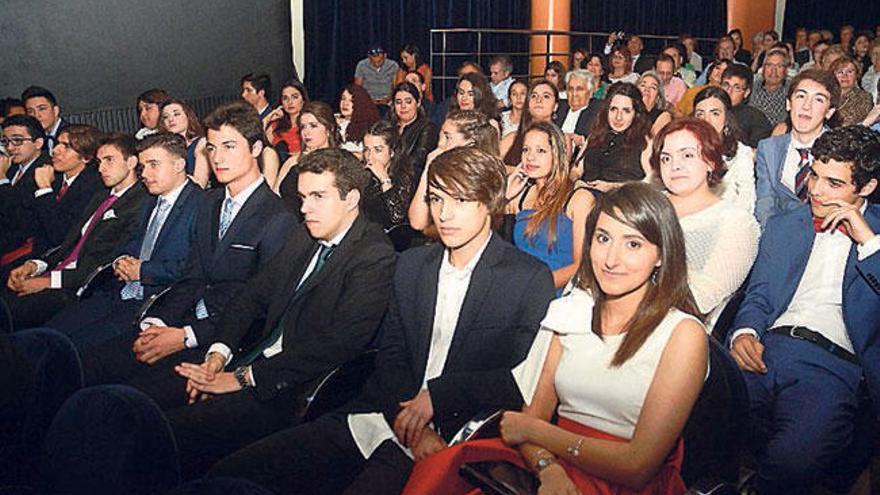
x=250, y=208
x=783, y=150
x=172, y=215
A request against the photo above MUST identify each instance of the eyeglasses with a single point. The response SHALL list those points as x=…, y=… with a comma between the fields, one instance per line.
x=15, y=140
x=736, y=88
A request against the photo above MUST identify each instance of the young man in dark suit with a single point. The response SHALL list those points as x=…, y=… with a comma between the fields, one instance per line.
x=807, y=331
x=783, y=162
x=322, y=297
x=39, y=289
x=42, y=105
x=23, y=139
x=154, y=258
x=463, y=314
x=238, y=228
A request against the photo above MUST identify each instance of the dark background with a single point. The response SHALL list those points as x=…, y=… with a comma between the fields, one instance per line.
x=100, y=54
x=830, y=14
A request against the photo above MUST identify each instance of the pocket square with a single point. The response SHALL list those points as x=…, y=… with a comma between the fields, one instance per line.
x=109, y=214
x=243, y=246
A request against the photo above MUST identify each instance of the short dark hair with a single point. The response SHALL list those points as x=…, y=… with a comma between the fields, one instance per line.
x=84, y=139
x=7, y=103
x=174, y=144
x=740, y=71
x=822, y=77
x=677, y=46
x=665, y=58
x=34, y=129
x=349, y=173
x=125, y=143
x=260, y=82
x=155, y=95
x=472, y=174
x=38, y=92
x=855, y=144
x=241, y=116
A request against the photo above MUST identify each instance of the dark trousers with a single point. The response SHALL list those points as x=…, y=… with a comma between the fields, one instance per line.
x=318, y=458
x=34, y=310
x=96, y=319
x=211, y=429
x=804, y=411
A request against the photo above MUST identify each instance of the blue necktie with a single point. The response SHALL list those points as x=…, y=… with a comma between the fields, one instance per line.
x=134, y=289
x=226, y=216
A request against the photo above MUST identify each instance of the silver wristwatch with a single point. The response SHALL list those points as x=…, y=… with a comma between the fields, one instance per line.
x=240, y=374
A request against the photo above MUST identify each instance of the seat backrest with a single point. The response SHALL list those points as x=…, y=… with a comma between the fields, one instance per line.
x=339, y=386
x=5, y=318
x=714, y=433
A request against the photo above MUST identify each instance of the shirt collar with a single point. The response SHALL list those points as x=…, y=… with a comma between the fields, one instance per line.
x=447, y=268
x=119, y=194
x=69, y=180
x=171, y=196
x=338, y=239
x=54, y=131
x=243, y=195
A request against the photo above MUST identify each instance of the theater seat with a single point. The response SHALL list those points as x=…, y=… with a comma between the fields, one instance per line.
x=109, y=439
x=339, y=386
x=219, y=486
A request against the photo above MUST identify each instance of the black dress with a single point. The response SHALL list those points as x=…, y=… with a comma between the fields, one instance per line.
x=614, y=162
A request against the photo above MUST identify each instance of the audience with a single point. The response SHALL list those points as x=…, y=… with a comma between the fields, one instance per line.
x=806, y=331
x=438, y=364
x=223, y=300
x=148, y=105
x=41, y=104
x=738, y=184
x=179, y=118
x=783, y=162
x=549, y=207
x=721, y=239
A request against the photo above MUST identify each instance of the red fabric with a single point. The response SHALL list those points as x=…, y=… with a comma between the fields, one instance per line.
x=18, y=253
x=291, y=137
x=438, y=474
x=62, y=191
x=817, y=226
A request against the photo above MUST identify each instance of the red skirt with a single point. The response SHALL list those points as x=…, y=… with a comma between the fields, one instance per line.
x=438, y=474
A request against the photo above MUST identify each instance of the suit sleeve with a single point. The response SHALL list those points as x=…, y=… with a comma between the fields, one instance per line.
x=465, y=393
x=765, y=206
x=363, y=297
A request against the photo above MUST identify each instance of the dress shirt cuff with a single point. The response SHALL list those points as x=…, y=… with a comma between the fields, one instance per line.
x=742, y=331
x=151, y=321
x=869, y=247
x=42, y=192
x=42, y=266
x=222, y=349
x=55, y=279
x=250, y=376
x=191, y=342
x=4, y=182
x=607, y=50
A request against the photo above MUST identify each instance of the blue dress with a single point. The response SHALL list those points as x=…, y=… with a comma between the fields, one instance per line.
x=560, y=254
x=191, y=156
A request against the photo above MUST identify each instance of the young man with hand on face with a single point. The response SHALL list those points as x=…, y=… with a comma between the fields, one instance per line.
x=463, y=314
x=322, y=298
x=40, y=288
x=783, y=162
x=238, y=228
x=155, y=257
x=807, y=331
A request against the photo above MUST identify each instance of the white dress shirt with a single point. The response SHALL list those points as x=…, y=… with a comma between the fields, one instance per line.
x=571, y=119
x=369, y=430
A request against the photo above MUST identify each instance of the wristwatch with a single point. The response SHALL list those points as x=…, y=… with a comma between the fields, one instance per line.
x=240, y=374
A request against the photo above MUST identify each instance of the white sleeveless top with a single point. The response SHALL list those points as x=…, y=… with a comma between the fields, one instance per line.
x=590, y=391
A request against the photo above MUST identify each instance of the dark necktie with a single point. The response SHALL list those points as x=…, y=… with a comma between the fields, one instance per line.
x=324, y=253
x=62, y=191
x=800, y=178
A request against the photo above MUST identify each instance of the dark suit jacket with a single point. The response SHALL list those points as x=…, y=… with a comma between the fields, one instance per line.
x=330, y=320
x=172, y=247
x=585, y=120
x=105, y=240
x=785, y=248
x=506, y=300
x=52, y=218
x=49, y=143
x=218, y=270
x=644, y=63
x=17, y=206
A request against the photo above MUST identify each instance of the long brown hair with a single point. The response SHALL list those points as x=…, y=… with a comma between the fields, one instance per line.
x=514, y=153
x=363, y=114
x=636, y=134
x=553, y=196
x=324, y=115
x=639, y=206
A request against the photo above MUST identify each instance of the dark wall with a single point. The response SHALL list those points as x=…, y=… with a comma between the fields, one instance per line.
x=822, y=14
x=100, y=53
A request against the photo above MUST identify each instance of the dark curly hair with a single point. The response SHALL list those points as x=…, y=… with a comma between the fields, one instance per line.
x=855, y=144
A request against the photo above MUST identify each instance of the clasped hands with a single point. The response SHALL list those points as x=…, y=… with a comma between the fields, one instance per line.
x=411, y=426
x=208, y=378
x=127, y=268
x=23, y=281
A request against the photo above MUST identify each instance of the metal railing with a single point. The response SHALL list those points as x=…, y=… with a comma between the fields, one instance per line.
x=125, y=119
x=447, y=52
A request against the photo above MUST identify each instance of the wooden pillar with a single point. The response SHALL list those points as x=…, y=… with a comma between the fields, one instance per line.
x=553, y=15
x=751, y=16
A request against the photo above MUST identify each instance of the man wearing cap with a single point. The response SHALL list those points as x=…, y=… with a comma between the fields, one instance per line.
x=376, y=74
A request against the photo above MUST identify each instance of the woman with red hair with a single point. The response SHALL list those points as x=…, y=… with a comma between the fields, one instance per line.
x=357, y=113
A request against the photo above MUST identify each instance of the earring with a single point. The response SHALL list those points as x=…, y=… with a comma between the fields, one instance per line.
x=654, y=276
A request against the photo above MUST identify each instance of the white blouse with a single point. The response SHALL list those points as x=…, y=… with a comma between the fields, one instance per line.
x=738, y=184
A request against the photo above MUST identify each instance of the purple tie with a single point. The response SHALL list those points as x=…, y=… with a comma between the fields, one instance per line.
x=95, y=218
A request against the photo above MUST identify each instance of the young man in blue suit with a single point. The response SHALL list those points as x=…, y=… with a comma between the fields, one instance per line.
x=155, y=257
x=463, y=314
x=783, y=161
x=807, y=330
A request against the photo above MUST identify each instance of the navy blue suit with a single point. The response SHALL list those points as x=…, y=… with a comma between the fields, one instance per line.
x=105, y=314
x=805, y=405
